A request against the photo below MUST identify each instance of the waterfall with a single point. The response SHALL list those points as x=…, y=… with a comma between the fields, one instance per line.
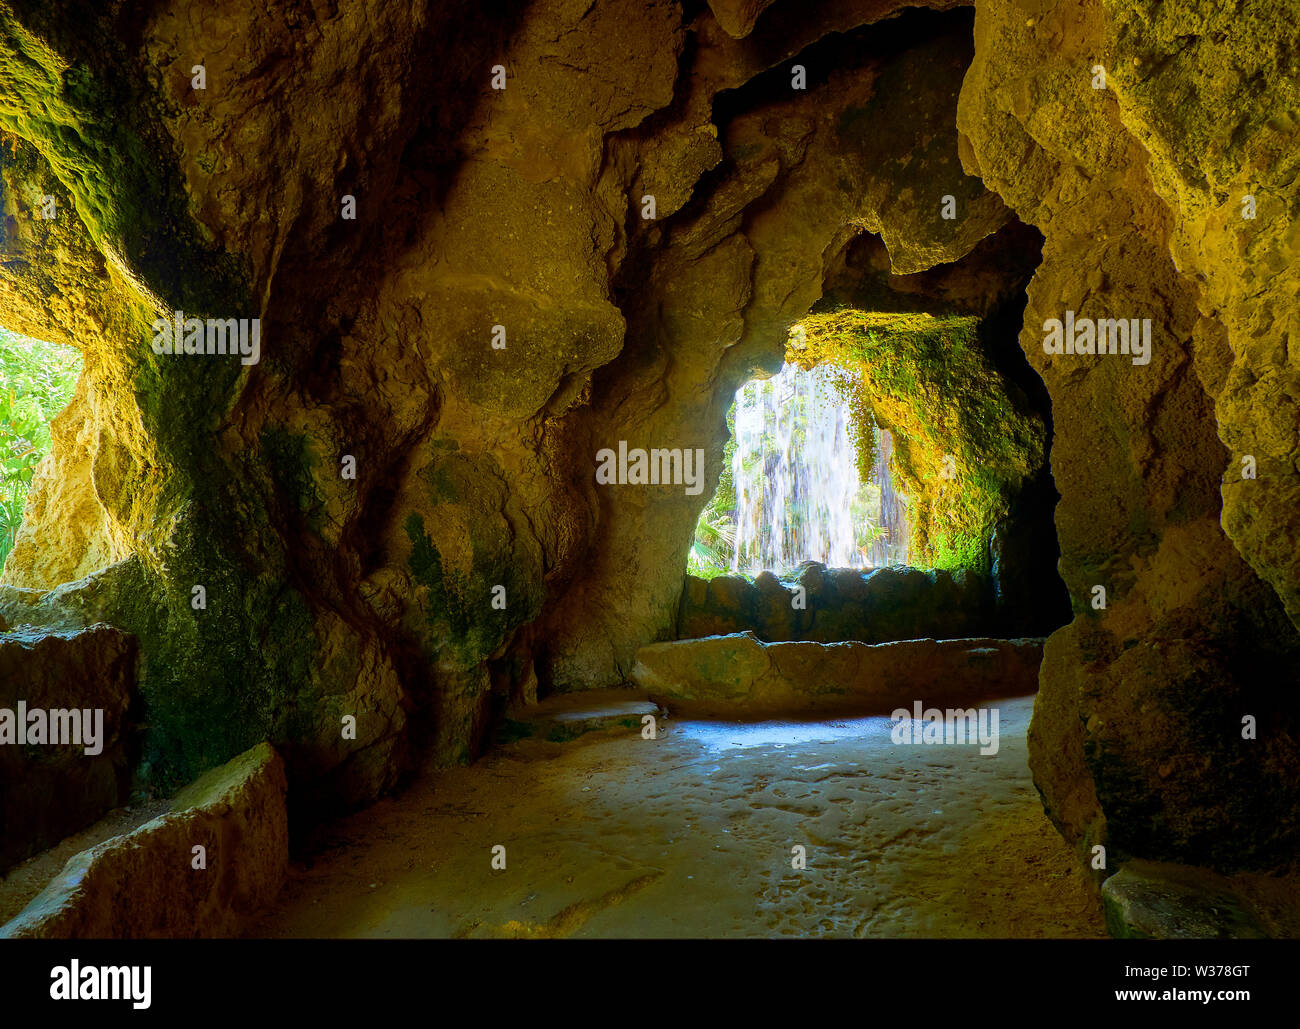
x=798, y=493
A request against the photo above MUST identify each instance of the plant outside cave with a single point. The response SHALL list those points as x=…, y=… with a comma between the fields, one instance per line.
x=36, y=383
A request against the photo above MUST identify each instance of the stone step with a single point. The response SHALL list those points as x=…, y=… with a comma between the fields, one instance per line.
x=740, y=675
x=64, y=735
x=567, y=716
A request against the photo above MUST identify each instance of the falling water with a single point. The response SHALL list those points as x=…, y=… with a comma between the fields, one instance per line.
x=798, y=493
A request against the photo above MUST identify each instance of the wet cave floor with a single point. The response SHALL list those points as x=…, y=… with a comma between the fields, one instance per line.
x=690, y=835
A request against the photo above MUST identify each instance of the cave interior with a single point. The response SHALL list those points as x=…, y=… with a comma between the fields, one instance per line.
x=373, y=302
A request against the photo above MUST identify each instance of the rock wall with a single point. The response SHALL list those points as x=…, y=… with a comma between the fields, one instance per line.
x=838, y=605
x=372, y=596
x=393, y=513
x=1138, y=733
x=710, y=298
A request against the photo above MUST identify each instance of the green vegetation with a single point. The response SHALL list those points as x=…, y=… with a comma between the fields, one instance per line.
x=929, y=381
x=36, y=383
x=715, y=532
x=964, y=439
x=446, y=589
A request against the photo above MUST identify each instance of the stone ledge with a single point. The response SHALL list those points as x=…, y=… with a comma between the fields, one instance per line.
x=143, y=884
x=566, y=716
x=739, y=674
x=839, y=605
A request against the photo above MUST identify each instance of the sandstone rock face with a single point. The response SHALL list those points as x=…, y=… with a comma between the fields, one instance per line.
x=737, y=17
x=373, y=597
x=740, y=675
x=64, y=495
x=838, y=605
x=82, y=684
x=711, y=301
x=1138, y=730
x=145, y=884
x=393, y=514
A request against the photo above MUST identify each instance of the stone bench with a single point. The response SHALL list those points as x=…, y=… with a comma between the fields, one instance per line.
x=738, y=674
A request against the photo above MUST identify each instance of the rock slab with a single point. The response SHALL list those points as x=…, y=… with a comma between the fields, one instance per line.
x=567, y=716
x=1151, y=900
x=51, y=790
x=144, y=884
x=739, y=674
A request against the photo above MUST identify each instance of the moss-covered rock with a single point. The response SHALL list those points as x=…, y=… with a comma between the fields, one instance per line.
x=965, y=439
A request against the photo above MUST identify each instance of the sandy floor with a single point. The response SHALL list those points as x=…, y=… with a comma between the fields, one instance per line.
x=690, y=835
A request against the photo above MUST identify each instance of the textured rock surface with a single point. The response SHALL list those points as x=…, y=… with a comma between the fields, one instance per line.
x=63, y=494
x=567, y=716
x=967, y=439
x=1138, y=733
x=144, y=884
x=1147, y=900
x=712, y=298
x=372, y=596
x=838, y=605
x=48, y=791
x=903, y=841
x=739, y=674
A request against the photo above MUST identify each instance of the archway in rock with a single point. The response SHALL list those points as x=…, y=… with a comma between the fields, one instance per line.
x=932, y=363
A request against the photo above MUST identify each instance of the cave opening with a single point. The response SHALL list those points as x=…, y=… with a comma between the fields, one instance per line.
x=905, y=440
x=37, y=380
x=541, y=284
x=806, y=477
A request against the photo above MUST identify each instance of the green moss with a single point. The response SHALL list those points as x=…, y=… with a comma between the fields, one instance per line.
x=563, y=734
x=446, y=591
x=510, y=731
x=951, y=551
x=218, y=680
x=213, y=681
x=64, y=86
x=292, y=461
x=929, y=382
x=462, y=624
x=444, y=485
